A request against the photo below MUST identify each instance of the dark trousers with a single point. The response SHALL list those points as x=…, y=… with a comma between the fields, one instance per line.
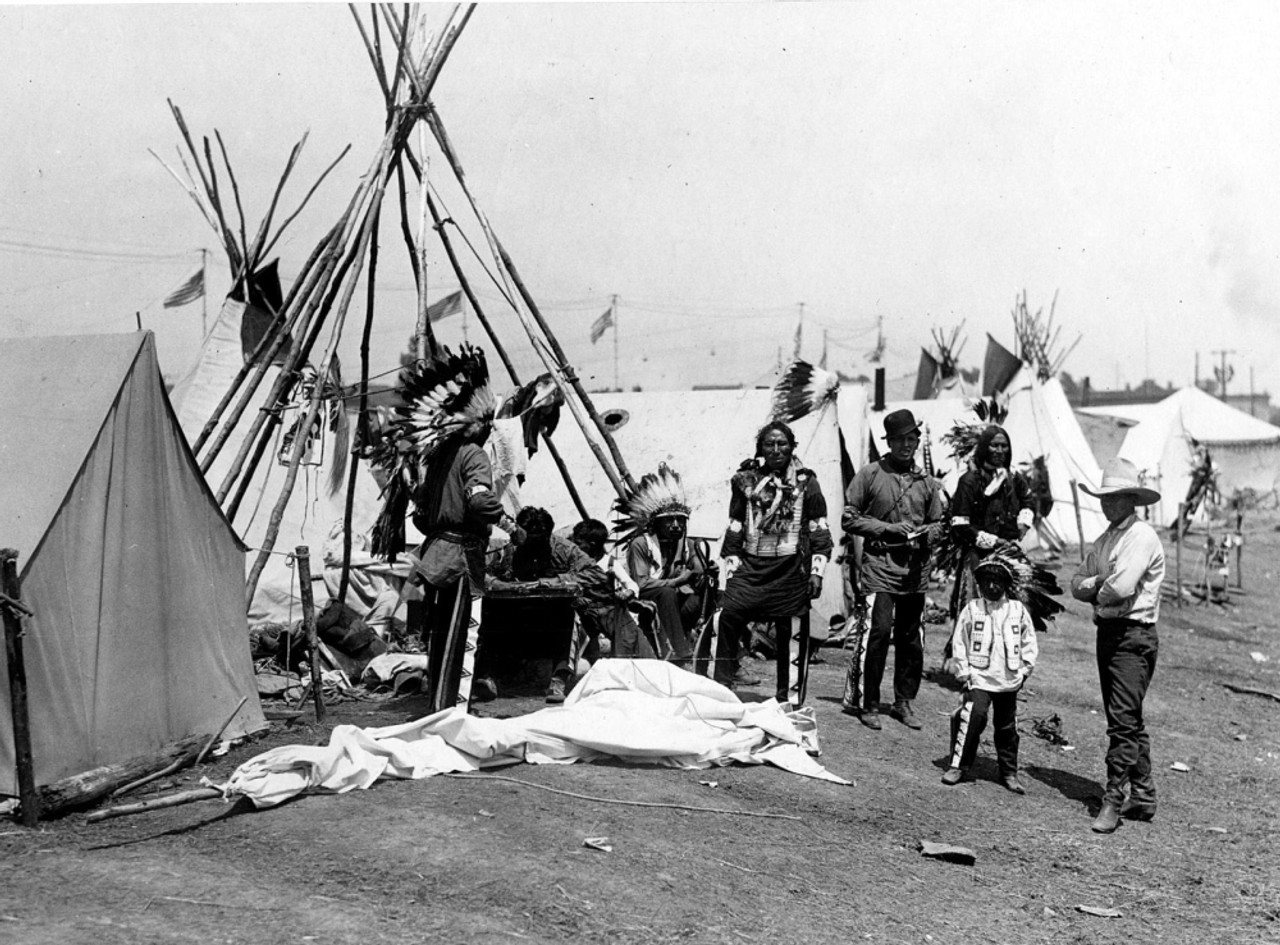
x=792, y=650
x=450, y=637
x=894, y=618
x=1126, y=663
x=678, y=613
x=969, y=720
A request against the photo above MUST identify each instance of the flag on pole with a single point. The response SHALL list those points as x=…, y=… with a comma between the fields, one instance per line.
x=602, y=324
x=449, y=305
x=189, y=291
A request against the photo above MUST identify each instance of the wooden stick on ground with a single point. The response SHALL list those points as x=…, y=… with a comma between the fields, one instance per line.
x=1246, y=691
x=155, y=803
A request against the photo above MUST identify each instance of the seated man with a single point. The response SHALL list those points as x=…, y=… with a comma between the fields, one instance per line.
x=672, y=571
x=620, y=623
x=548, y=564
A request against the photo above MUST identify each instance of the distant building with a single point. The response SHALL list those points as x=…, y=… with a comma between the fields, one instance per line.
x=1084, y=394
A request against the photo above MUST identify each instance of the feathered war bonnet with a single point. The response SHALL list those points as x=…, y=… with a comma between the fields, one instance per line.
x=1032, y=585
x=802, y=390
x=656, y=496
x=964, y=437
x=446, y=400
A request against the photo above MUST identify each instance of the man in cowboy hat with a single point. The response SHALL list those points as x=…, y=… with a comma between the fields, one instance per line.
x=897, y=510
x=1121, y=578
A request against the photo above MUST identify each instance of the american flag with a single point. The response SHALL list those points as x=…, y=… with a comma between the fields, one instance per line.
x=189, y=291
x=601, y=325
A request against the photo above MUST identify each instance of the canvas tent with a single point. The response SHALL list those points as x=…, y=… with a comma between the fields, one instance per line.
x=1245, y=450
x=316, y=504
x=703, y=435
x=1040, y=423
x=134, y=576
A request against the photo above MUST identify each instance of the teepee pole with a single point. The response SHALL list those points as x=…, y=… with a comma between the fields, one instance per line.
x=618, y=474
x=465, y=283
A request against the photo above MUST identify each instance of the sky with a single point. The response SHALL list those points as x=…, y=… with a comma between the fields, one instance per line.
x=720, y=168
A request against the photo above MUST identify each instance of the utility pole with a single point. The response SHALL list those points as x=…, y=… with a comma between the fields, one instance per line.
x=613, y=304
x=1224, y=372
x=799, y=333
x=823, y=363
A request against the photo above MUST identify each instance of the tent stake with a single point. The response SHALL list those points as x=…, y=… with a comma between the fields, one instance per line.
x=11, y=587
x=303, y=559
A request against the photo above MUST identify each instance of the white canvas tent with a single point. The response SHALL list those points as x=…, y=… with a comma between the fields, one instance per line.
x=703, y=435
x=1040, y=423
x=1245, y=450
x=314, y=509
x=134, y=576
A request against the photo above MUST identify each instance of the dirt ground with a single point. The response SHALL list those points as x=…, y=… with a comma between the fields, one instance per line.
x=499, y=858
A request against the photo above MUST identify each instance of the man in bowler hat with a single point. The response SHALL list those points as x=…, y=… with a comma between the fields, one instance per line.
x=897, y=510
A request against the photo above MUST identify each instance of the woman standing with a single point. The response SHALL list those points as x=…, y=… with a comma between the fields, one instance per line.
x=775, y=552
x=992, y=508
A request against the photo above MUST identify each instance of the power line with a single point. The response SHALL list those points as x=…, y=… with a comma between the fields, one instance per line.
x=70, y=252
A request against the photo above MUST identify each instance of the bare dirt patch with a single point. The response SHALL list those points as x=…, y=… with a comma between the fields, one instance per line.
x=488, y=860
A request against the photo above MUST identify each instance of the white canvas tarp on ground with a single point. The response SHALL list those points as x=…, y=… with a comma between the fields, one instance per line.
x=1245, y=450
x=703, y=435
x=1040, y=423
x=135, y=578
x=638, y=711
x=314, y=510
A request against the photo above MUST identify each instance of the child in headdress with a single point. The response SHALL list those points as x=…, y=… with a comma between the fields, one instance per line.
x=995, y=647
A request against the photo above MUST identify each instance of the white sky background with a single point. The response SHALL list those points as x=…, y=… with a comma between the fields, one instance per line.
x=714, y=165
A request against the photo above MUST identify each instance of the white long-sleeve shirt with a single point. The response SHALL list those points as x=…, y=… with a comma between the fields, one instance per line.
x=994, y=643
x=1121, y=575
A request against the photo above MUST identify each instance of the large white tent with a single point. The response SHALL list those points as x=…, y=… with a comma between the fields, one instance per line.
x=136, y=580
x=703, y=435
x=1161, y=443
x=1040, y=424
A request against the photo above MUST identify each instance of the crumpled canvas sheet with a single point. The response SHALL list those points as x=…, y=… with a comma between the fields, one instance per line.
x=642, y=711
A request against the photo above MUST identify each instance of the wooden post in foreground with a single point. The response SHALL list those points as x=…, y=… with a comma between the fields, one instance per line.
x=302, y=556
x=1239, y=547
x=13, y=609
x=1075, y=502
x=1177, y=550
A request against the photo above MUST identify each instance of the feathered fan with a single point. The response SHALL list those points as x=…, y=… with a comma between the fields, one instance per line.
x=963, y=436
x=657, y=494
x=802, y=390
x=445, y=398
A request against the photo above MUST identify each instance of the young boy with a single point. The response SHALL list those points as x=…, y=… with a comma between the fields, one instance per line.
x=995, y=646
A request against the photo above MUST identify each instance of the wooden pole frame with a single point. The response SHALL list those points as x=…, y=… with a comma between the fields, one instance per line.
x=302, y=559
x=11, y=587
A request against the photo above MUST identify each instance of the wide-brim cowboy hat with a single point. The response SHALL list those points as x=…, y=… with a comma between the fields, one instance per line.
x=1120, y=477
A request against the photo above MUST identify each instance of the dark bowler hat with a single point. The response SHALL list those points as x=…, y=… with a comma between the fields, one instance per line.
x=899, y=423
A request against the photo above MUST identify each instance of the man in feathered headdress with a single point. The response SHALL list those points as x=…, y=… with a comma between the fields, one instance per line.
x=433, y=456
x=671, y=570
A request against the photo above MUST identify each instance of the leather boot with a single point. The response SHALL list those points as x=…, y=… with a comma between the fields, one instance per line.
x=1108, y=818
x=1139, y=810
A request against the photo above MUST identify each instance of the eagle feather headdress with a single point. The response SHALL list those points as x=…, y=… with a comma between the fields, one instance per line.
x=803, y=389
x=1034, y=586
x=444, y=399
x=656, y=495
